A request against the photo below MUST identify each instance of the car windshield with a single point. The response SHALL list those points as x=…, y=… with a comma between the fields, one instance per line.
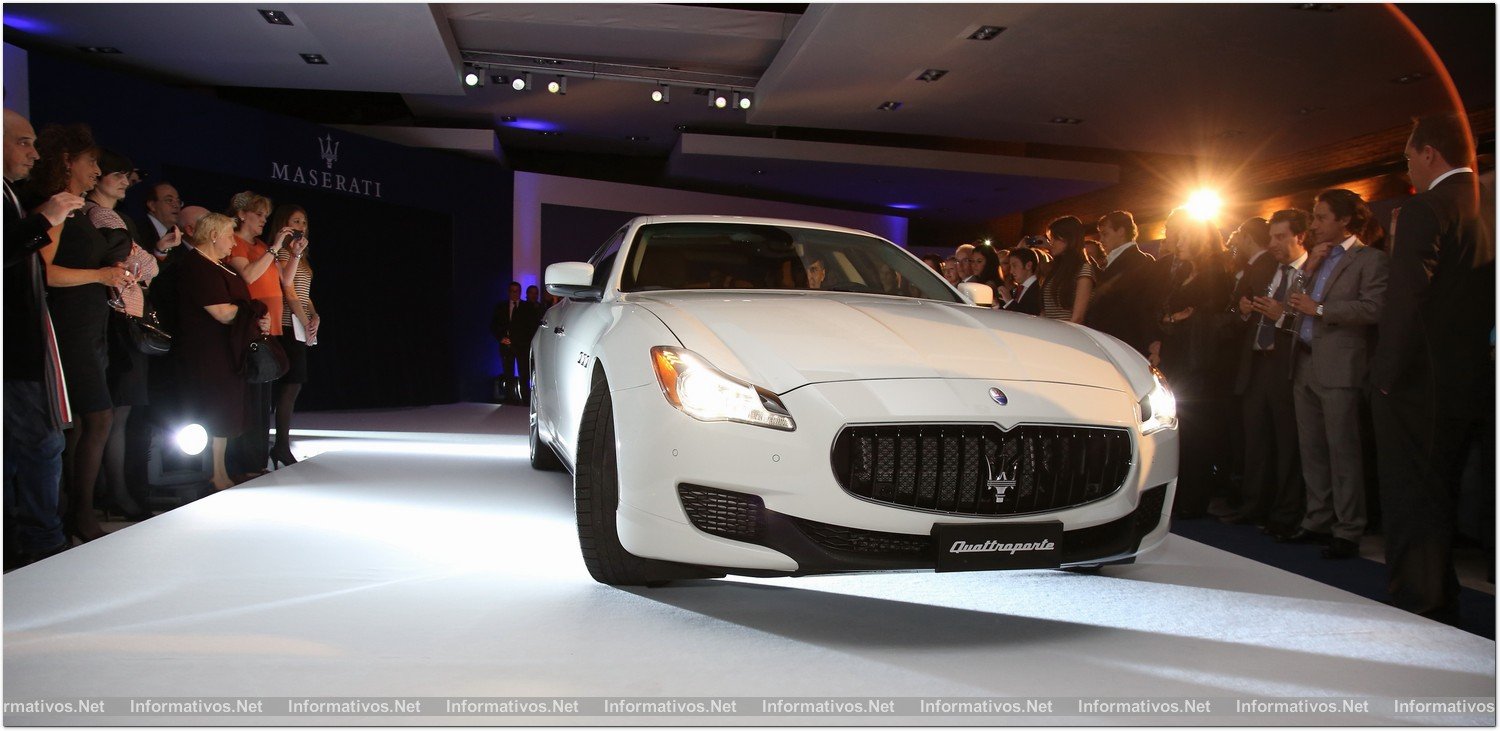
x=763, y=256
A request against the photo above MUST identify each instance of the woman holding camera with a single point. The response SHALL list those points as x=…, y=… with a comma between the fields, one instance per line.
x=296, y=288
x=255, y=261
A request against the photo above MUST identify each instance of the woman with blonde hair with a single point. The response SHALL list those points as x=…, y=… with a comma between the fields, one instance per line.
x=216, y=321
x=1192, y=358
x=256, y=263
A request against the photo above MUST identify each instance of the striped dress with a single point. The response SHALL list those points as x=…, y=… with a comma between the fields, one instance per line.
x=301, y=283
x=1055, y=310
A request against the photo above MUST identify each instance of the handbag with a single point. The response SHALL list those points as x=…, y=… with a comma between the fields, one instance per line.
x=265, y=361
x=147, y=335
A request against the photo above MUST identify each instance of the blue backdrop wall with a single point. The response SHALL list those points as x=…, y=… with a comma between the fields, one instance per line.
x=411, y=247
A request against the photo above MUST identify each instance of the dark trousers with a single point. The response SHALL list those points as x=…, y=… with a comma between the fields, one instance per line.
x=515, y=368
x=33, y=468
x=250, y=451
x=1422, y=458
x=1272, y=489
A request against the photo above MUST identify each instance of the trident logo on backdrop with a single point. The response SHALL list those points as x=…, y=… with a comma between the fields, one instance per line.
x=330, y=150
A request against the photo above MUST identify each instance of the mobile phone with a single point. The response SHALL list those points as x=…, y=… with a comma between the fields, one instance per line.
x=296, y=236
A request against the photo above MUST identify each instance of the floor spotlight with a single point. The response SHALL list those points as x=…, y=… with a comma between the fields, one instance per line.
x=662, y=94
x=521, y=83
x=192, y=439
x=741, y=101
x=473, y=77
x=560, y=86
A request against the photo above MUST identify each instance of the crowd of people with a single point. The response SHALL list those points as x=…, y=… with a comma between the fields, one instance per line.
x=117, y=327
x=1307, y=346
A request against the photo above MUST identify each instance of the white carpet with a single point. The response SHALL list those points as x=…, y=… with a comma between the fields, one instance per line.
x=444, y=567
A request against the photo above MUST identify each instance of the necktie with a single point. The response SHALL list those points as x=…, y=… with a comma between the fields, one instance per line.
x=1320, y=284
x=1265, y=337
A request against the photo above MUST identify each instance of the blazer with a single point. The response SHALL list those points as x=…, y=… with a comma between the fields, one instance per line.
x=1030, y=301
x=24, y=299
x=520, y=328
x=1440, y=305
x=1352, y=304
x=1125, y=302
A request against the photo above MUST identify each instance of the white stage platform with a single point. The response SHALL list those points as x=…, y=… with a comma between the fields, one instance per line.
x=406, y=560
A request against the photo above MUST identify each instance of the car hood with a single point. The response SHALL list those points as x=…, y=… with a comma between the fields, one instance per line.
x=785, y=340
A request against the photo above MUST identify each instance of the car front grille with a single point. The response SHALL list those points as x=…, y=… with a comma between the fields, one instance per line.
x=978, y=469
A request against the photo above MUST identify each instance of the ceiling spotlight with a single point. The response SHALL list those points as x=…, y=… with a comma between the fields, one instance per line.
x=889, y=106
x=741, y=101
x=932, y=74
x=315, y=59
x=1065, y=120
x=500, y=79
x=473, y=77
x=1410, y=78
x=986, y=33
x=662, y=94
x=521, y=83
x=275, y=17
x=508, y=118
x=638, y=138
x=681, y=128
x=717, y=100
x=559, y=87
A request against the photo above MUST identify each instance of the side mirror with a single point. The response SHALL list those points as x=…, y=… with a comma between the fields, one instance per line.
x=571, y=279
x=976, y=293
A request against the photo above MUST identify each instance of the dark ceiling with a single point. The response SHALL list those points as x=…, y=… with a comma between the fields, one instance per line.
x=1235, y=81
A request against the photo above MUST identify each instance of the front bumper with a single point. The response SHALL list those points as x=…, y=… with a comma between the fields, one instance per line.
x=804, y=507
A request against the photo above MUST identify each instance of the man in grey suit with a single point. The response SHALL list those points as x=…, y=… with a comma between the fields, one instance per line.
x=1337, y=319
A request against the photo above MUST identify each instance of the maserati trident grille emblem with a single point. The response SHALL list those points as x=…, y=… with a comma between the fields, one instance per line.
x=998, y=396
x=1003, y=481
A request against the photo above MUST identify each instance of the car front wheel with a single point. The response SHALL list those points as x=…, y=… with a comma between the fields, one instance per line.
x=596, y=494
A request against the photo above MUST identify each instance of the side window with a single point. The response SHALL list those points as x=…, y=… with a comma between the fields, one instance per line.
x=604, y=260
x=602, y=270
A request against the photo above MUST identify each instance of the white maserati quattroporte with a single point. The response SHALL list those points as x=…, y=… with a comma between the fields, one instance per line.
x=766, y=397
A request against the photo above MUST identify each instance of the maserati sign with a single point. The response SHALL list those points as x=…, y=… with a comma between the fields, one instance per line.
x=328, y=150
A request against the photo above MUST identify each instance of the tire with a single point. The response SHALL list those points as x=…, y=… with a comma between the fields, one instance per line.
x=596, y=496
x=542, y=456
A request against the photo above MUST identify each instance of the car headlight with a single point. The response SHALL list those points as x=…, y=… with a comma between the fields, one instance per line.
x=708, y=394
x=1158, y=408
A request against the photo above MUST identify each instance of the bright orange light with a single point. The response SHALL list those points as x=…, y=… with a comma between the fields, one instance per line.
x=1204, y=205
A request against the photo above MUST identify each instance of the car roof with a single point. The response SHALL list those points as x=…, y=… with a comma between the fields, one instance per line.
x=756, y=220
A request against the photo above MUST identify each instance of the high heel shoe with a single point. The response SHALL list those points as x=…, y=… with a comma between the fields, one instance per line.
x=85, y=535
x=282, y=456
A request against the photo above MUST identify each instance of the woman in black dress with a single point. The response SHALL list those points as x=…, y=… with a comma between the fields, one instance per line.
x=82, y=266
x=216, y=321
x=127, y=365
x=1192, y=359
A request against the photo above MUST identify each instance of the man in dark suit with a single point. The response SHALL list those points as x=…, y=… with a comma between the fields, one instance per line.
x=1022, y=265
x=1433, y=371
x=35, y=405
x=160, y=232
x=1337, y=318
x=1251, y=241
x=1272, y=492
x=1124, y=303
x=513, y=325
